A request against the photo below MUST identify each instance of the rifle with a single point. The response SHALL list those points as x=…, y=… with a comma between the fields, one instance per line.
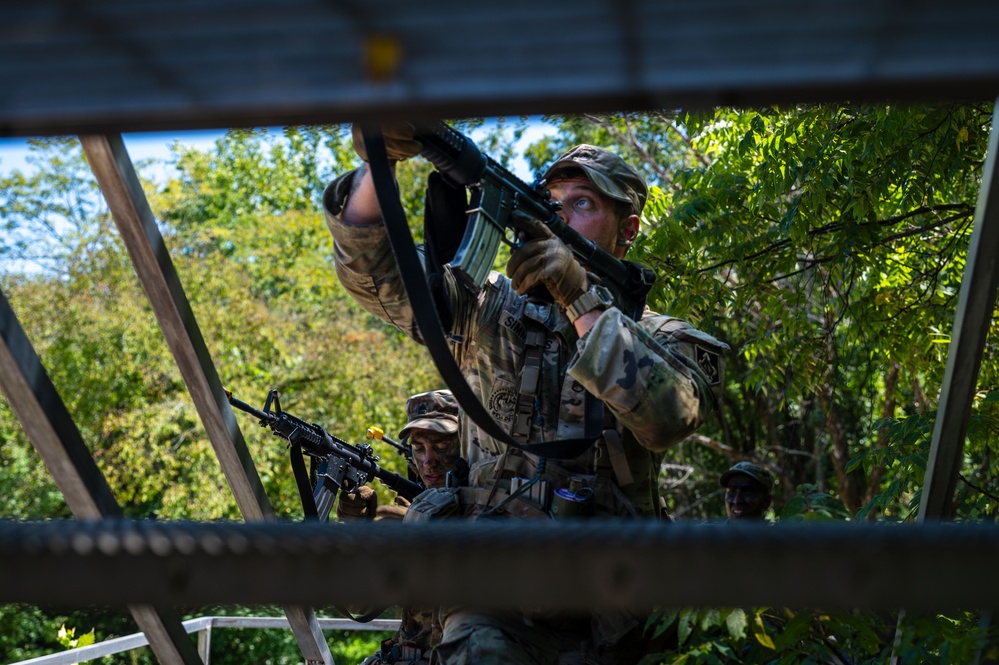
x=341, y=464
x=502, y=202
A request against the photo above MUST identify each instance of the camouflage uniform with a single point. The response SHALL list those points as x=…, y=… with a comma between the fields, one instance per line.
x=435, y=411
x=410, y=645
x=656, y=377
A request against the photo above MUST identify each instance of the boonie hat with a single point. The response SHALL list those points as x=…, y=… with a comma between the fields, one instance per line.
x=610, y=174
x=754, y=471
x=436, y=410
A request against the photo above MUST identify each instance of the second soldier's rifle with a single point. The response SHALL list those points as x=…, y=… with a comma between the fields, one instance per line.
x=501, y=202
x=402, y=447
x=342, y=466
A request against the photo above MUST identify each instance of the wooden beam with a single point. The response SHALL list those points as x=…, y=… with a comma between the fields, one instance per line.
x=975, y=306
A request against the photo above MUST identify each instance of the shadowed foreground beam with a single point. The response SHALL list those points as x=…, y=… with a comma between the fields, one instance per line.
x=114, y=65
x=569, y=565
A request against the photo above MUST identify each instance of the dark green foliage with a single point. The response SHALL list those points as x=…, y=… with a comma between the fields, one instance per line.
x=826, y=245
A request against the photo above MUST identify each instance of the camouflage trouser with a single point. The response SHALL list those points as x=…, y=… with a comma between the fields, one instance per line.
x=394, y=654
x=472, y=637
x=376, y=659
x=411, y=644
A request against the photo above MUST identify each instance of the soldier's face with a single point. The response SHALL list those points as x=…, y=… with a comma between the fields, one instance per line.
x=745, y=498
x=434, y=454
x=587, y=211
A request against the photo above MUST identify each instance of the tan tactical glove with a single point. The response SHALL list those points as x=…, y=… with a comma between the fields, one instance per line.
x=546, y=260
x=399, y=141
x=359, y=505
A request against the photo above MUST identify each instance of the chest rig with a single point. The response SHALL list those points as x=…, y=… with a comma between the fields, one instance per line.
x=537, y=321
x=579, y=413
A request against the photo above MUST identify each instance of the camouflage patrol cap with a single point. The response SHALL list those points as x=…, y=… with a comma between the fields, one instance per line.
x=610, y=174
x=754, y=471
x=436, y=410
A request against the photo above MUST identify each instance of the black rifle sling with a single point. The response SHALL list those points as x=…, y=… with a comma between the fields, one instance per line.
x=425, y=313
x=444, y=221
x=303, y=482
x=302, y=479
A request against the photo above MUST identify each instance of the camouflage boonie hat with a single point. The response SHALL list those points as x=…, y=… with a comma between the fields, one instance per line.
x=436, y=410
x=610, y=174
x=754, y=471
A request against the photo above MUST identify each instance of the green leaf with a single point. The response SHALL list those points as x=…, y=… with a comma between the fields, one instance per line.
x=662, y=619
x=686, y=625
x=760, y=633
x=710, y=618
x=736, y=623
x=86, y=639
x=793, y=631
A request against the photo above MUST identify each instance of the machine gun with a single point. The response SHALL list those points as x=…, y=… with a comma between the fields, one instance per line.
x=502, y=202
x=342, y=466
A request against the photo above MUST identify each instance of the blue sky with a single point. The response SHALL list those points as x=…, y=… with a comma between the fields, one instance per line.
x=156, y=145
x=13, y=151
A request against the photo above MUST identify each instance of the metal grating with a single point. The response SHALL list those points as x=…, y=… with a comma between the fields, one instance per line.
x=567, y=565
x=114, y=65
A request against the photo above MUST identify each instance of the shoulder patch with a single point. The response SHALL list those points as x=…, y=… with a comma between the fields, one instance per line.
x=710, y=364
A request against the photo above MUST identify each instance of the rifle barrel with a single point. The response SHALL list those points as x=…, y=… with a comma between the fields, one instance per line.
x=243, y=406
x=375, y=432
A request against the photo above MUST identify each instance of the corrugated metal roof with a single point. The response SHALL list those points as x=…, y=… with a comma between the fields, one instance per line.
x=116, y=65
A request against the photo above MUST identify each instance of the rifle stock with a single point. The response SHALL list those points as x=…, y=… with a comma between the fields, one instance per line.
x=502, y=202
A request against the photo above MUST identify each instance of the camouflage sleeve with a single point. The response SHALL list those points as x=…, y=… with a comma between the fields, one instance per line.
x=658, y=376
x=364, y=261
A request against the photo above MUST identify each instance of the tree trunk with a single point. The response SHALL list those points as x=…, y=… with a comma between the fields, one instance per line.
x=850, y=490
x=887, y=411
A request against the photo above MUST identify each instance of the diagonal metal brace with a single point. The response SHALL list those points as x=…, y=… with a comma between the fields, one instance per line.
x=123, y=192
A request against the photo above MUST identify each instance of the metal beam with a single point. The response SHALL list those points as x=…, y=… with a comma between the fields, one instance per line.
x=120, y=185
x=48, y=424
x=114, y=65
x=569, y=565
x=46, y=421
x=975, y=306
